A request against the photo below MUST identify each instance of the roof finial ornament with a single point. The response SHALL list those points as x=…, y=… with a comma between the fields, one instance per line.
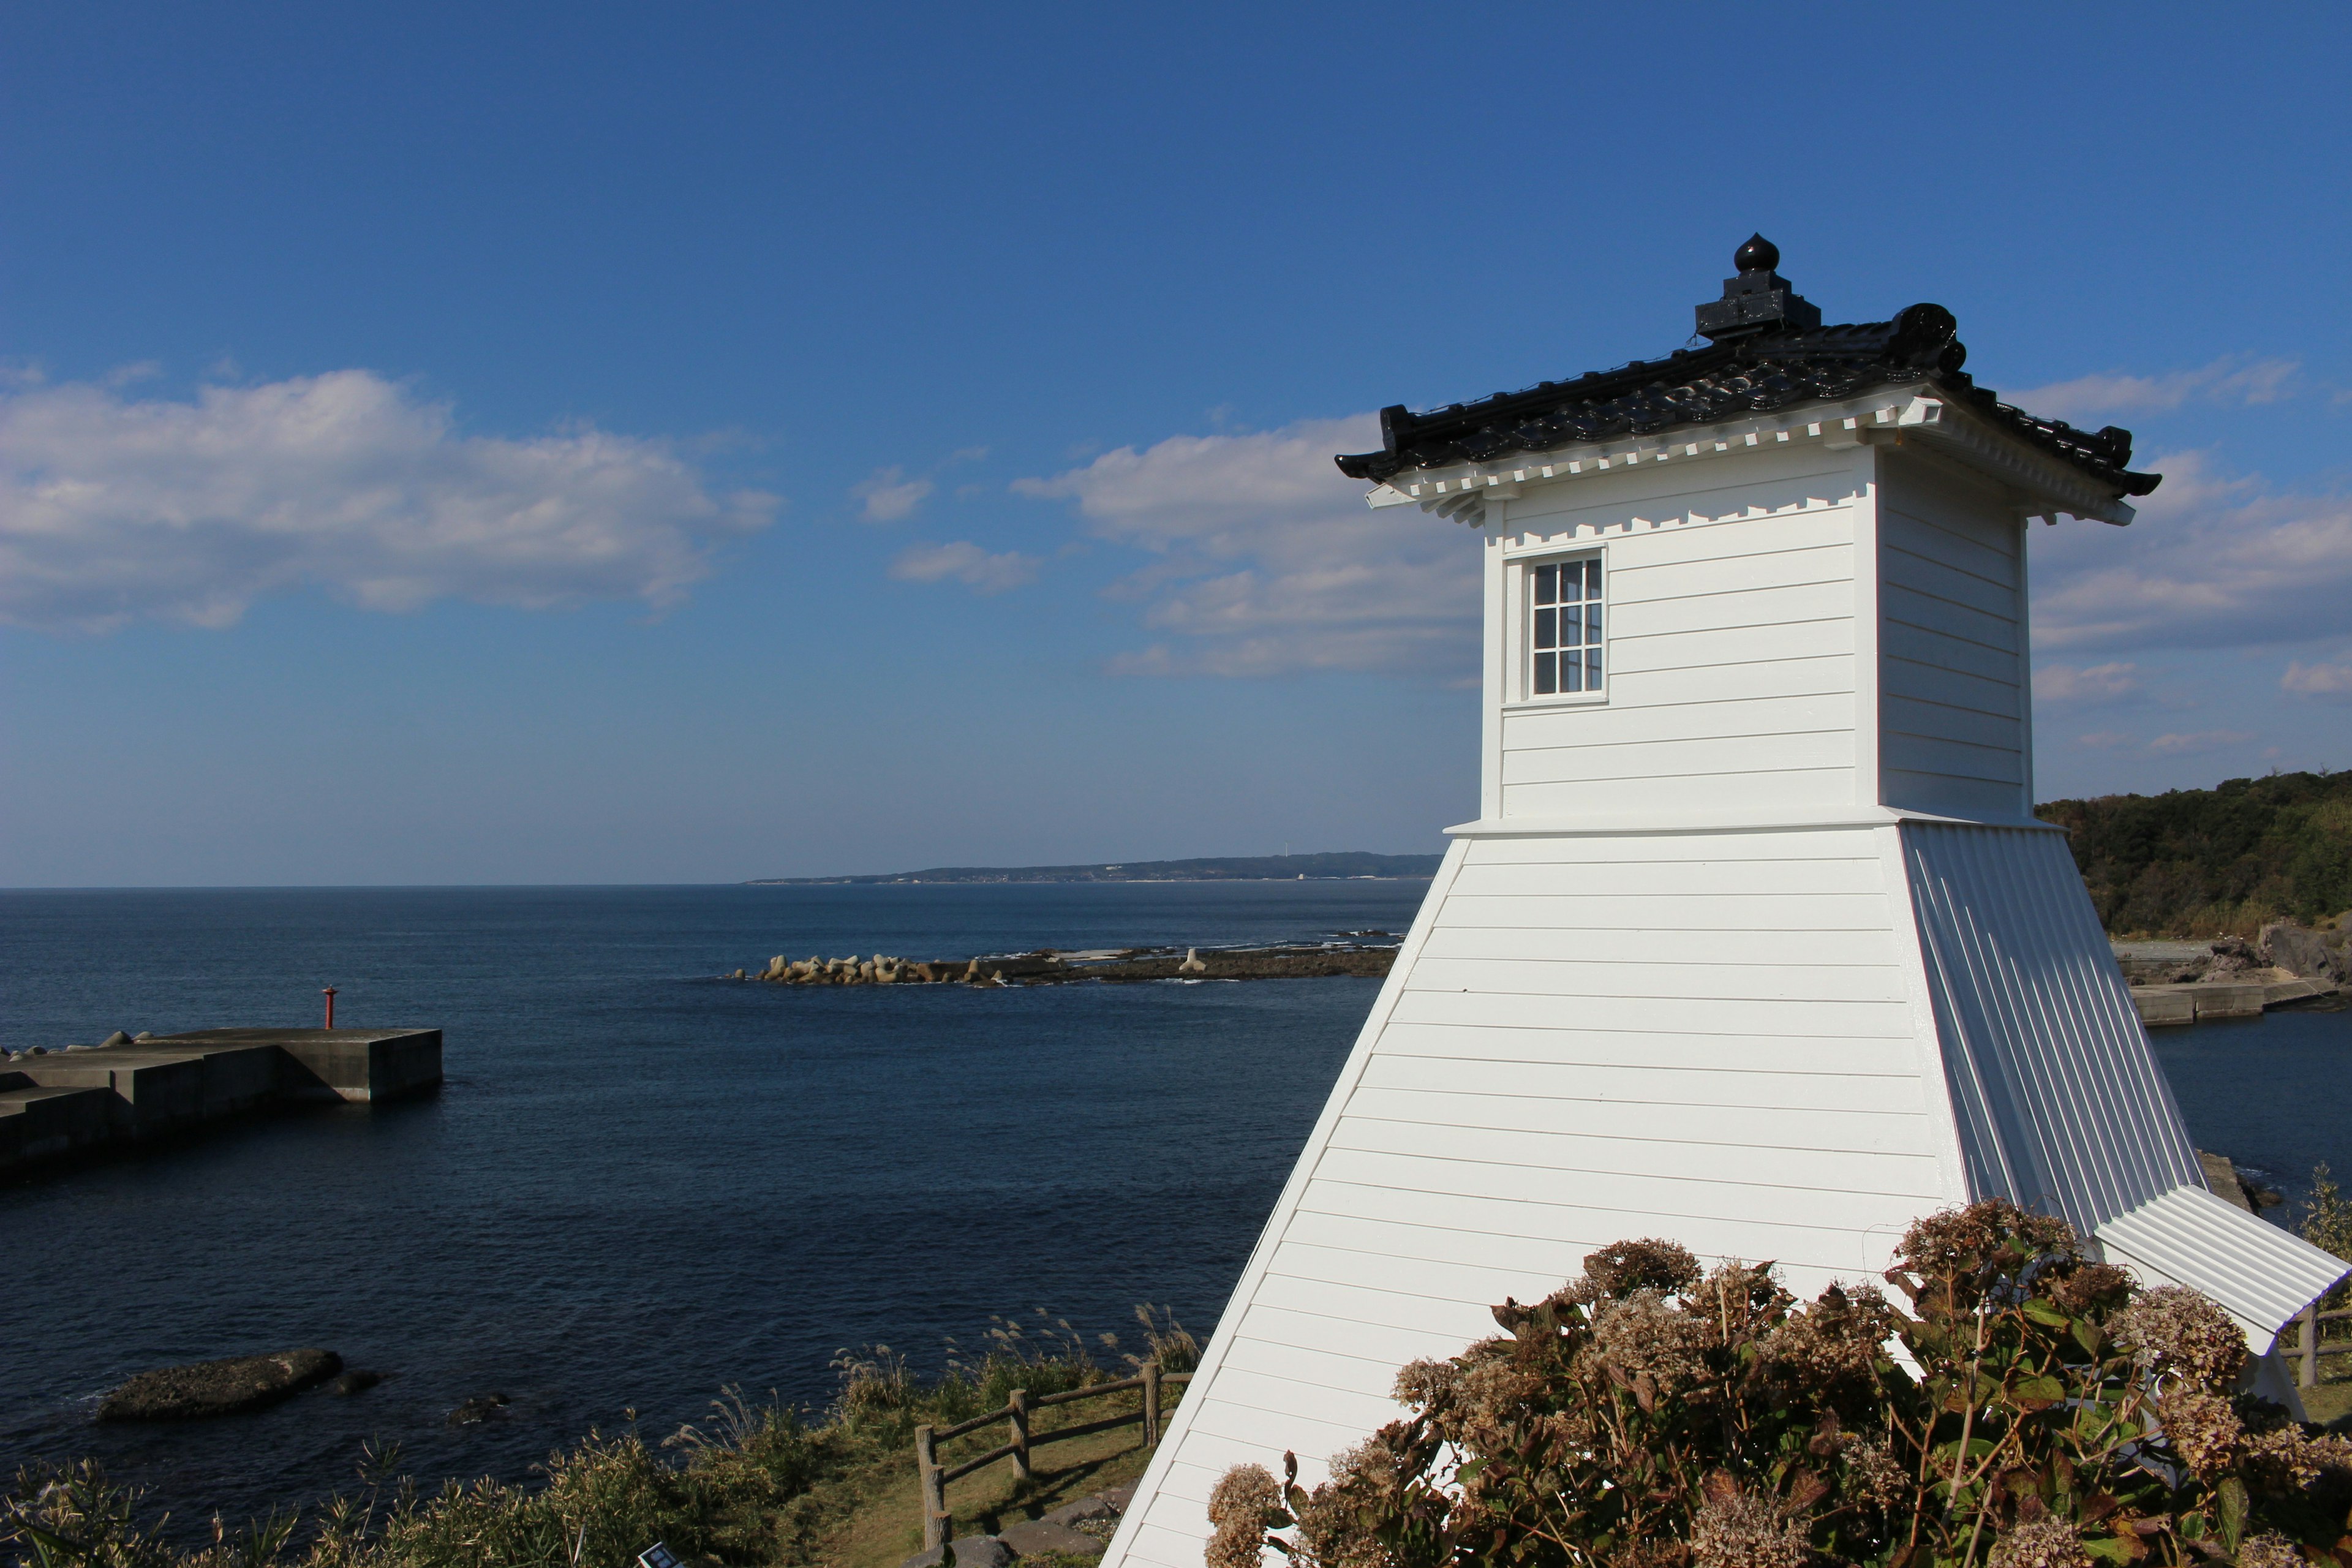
x=1757, y=299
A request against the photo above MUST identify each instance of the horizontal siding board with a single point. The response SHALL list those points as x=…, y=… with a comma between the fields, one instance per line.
x=1826, y=674
x=1954, y=759
x=1659, y=1120
x=1622, y=721
x=1518, y=1061
x=1760, y=1089
x=1662, y=982
x=1696, y=879
x=1664, y=848
x=1943, y=795
x=1920, y=645
x=1371, y=1341
x=1463, y=1282
x=1251, y=1406
x=1856, y=1170
x=1391, y=1309
x=1909, y=607
x=1664, y=949
x=1750, y=609
x=1757, y=789
x=1537, y=1253
x=1883, y=1020
x=1899, y=714
x=1937, y=581
x=2001, y=696
x=1316, y=1365
x=1792, y=1237
x=1706, y=756
x=1829, y=636
x=1642, y=911
x=1191, y=1483
x=1689, y=579
x=1680, y=1197
x=1742, y=536
x=1164, y=1548
x=1961, y=548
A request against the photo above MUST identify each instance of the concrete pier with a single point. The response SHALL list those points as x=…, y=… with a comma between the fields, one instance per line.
x=90, y=1098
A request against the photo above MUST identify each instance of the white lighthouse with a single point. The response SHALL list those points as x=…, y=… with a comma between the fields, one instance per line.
x=1755, y=943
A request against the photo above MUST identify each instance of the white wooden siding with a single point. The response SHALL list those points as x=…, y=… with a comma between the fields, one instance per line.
x=1730, y=646
x=1704, y=1036
x=1952, y=644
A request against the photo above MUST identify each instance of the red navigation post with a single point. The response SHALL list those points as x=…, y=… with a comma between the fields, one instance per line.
x=328, y=992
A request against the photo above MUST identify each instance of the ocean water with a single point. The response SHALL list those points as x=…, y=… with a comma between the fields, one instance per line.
x=641, y=1184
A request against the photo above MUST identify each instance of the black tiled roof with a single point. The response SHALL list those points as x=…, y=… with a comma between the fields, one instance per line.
x=1769, y=352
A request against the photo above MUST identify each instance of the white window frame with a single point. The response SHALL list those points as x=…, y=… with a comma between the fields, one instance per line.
x=1521, y=587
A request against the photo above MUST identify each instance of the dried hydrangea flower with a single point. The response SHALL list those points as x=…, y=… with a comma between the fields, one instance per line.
x=2089, y=1288
x=1874, y=1477
x=1331, y=1524
x=2203, y=1431
x=1641, y=1336
x=1239, y=1507
x=2044, y=1542
x=1424, y=1383
x=2173, y=1331
x=1838, y=1341
x=1623, y=1267
x=1736, y=1531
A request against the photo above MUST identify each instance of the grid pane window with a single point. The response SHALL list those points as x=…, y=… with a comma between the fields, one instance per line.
x=1564, y=627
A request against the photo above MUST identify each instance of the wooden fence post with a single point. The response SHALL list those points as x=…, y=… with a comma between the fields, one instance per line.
x=937, y=1526
x=1019, y=1402
x=1151, y=1403
x=2308, y=1336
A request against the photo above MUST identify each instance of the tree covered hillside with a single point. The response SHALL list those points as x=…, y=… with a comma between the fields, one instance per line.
x=2196, y=862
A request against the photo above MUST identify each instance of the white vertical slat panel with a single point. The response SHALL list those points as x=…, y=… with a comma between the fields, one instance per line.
x=2062, y=1105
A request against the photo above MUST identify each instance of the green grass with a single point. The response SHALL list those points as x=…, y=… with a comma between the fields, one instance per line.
x=754, y=1486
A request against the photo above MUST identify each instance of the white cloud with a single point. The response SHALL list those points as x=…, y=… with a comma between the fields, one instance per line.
x=2196, y=744
x=2060, y=683
x=1269, y=562
x=889, y=495
x=2213, y=561
x=2328, y=683
x=2107, y=740
x=114, y=510
x=2233, y=379
x=966, y=562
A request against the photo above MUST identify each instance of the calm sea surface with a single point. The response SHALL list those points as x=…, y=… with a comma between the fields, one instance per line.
x=641, y=1183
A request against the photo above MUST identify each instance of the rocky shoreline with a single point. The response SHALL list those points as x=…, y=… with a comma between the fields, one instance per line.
x=1367, y=953
x=2287, y=965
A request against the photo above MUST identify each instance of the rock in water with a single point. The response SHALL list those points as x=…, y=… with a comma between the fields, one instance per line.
x=477, y=1410
x=218, y=1387
x=355, y=1382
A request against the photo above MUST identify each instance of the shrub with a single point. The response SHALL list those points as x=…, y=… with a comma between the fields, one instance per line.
x=2044, y=1414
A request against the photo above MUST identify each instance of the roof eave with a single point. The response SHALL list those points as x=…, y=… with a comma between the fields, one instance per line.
x=2048, y=486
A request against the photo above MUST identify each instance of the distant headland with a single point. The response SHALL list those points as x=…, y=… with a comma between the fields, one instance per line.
x=1331, y=865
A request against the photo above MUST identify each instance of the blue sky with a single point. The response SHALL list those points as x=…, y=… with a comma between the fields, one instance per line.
x=584, y=443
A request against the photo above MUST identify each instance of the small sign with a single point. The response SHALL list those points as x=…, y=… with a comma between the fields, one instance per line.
x=657, y=1556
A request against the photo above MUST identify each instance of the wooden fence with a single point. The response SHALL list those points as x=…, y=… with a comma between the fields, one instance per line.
x=2308, y=1347
x=938, y=1524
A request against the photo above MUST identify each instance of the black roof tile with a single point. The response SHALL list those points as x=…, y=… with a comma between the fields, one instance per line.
x=1768, y=350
